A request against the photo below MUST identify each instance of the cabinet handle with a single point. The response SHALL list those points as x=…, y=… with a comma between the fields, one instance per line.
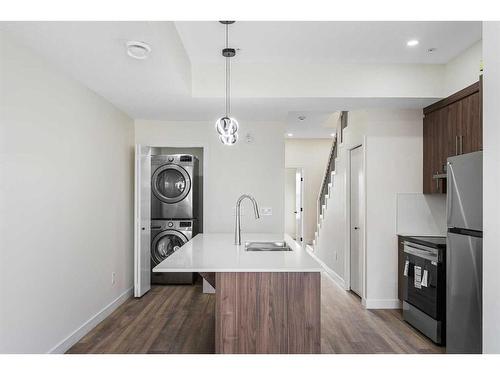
x=461, y=144
x=437, y=183
x=456, y=145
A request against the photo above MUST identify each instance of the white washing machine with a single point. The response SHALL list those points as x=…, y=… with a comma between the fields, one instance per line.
x=174, y=186
x=167, y=236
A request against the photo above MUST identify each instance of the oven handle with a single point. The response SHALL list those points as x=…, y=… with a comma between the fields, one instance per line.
x=421, y=251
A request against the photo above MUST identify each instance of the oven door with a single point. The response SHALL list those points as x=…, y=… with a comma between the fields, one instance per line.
x=422, y=279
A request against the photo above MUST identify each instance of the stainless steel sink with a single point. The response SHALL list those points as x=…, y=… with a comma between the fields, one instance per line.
x=267, y=246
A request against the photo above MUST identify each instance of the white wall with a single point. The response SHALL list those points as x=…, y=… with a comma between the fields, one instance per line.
x=392, y=140
x=256, y=168
x=491, y=182
x=463, y=70
x=66, y=177
x=312, y=156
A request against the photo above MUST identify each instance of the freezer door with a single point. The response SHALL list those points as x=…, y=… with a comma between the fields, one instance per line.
x=465, y=191
x=463, y=294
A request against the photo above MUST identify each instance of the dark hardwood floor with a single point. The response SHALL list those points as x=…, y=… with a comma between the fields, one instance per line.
x=181, y=319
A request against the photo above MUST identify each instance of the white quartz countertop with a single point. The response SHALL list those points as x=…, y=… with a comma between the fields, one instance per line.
x=216, y=252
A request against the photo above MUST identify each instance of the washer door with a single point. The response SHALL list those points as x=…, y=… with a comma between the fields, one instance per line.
x=171, y=183
x=165, y=244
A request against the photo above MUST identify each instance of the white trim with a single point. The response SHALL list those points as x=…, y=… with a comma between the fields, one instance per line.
x=86, y=327
x=381, y=303
x=332, y=275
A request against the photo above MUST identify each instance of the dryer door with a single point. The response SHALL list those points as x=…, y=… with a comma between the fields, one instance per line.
x=171, y=183
x=165, y=244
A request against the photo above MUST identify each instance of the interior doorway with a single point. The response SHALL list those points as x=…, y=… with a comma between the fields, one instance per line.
x=356, y=220
x=294, y=203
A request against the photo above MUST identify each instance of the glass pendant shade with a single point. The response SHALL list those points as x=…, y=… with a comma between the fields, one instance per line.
x=229, y=139
x=226, y=126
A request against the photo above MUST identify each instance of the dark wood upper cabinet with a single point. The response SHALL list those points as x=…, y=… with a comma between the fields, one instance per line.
x=452, y=126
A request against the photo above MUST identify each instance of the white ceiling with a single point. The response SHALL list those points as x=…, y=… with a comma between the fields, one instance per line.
x=329, y=42
x=160, y=87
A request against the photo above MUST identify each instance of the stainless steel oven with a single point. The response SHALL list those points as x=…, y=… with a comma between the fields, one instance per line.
x=424, y=305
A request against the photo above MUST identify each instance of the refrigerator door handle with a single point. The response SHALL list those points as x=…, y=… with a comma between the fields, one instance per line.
x=449, y=170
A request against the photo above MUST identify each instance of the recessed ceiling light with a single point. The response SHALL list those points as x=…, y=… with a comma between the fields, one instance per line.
x=301, y=117
x=138, y=50
x=290, y=134
x=412, y=43
x=332, y=134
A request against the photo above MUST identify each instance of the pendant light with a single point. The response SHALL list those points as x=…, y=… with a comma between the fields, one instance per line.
x=227, y=126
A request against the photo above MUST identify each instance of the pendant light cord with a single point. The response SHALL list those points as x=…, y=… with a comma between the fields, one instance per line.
x=228, y=77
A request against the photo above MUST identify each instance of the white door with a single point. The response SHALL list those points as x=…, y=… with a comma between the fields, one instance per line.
x=299, y=210
x=142, y=221
x=356, y=204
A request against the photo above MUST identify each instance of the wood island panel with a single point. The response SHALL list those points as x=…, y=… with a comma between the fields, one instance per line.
x=268, y=312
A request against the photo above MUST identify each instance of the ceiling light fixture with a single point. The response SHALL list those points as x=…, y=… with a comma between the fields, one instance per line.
x=412, y=43
x=227, y=126
x=138, y=50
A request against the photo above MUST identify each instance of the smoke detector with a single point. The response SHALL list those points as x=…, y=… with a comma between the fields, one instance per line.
x=138, y=50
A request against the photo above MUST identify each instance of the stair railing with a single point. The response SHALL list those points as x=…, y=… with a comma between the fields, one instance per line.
x=330, y=167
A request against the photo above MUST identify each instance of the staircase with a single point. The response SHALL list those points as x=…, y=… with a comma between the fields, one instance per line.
x=325, y=190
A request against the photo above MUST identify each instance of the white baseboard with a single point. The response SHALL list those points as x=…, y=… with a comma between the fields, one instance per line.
x=334, y=276
x=85, y=328
x=381, y=303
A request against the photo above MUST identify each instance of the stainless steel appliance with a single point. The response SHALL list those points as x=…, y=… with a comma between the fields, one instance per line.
x=424, y=293
x=174, y=186
x=167, y=236
x=464, y=255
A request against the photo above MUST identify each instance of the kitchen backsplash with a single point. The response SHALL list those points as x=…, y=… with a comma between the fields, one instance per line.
x=421, y=214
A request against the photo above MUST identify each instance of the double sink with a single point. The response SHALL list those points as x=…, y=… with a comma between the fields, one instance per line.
x=267, y=246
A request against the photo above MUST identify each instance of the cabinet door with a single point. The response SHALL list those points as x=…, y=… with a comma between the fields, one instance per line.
x=428, y=152
x=453, y=125
x=470, y=128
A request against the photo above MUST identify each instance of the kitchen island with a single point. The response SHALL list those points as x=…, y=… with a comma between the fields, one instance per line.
x=266, y=301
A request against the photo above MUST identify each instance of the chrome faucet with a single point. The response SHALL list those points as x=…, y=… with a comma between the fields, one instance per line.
x=237, y=228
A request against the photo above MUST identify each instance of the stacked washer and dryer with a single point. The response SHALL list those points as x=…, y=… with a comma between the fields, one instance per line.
x=174, y=211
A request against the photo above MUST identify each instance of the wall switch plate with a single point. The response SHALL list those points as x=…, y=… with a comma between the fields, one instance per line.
x=266, y=211
x=113, y=278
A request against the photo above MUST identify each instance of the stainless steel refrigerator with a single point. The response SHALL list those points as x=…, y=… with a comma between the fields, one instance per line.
x=464, y=253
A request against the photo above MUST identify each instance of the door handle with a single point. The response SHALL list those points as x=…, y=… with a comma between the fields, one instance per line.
x=356, y=228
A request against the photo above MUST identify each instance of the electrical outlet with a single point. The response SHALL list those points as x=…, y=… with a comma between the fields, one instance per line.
x=266, y=211
x=113, y=278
